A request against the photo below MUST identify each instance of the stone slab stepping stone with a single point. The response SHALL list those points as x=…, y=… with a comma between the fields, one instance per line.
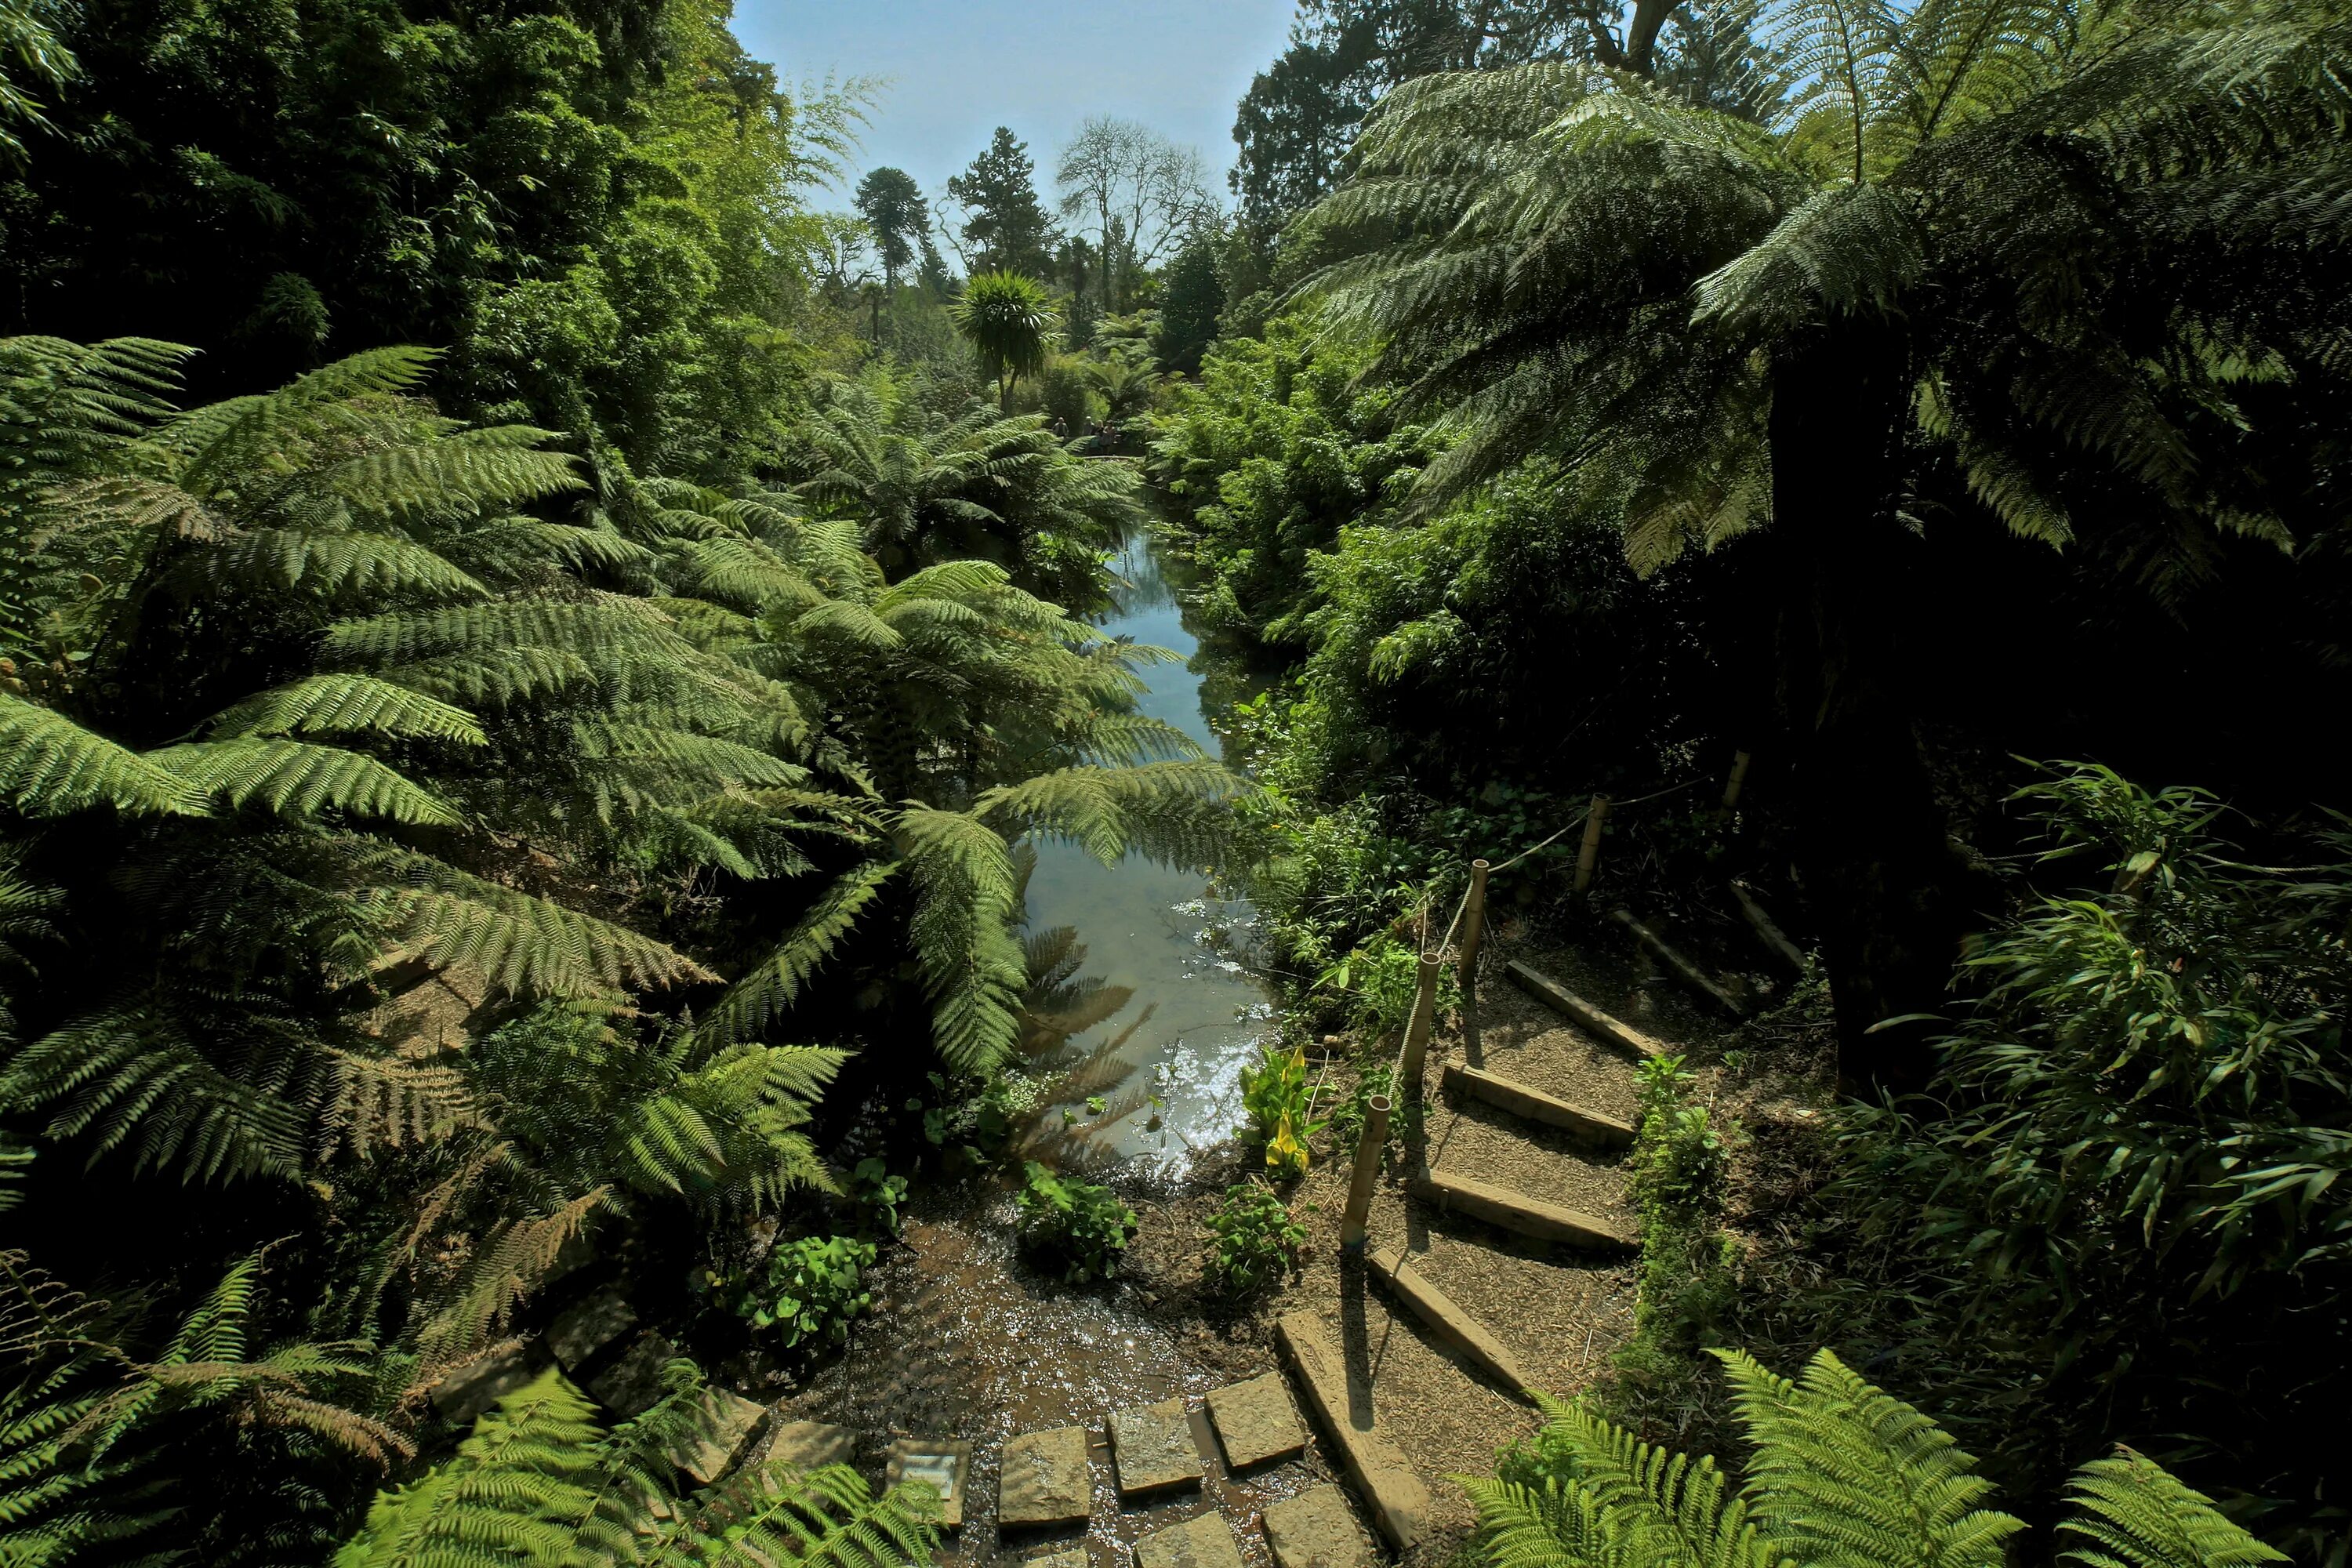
x=1448, y=1321
x=1692, y=976
x=1065, y=1557
x=1515, y=1211
x=631, y=1384
x=588, y=1327
x=943, y=1461
x=1525, y=1099
x=1153, y=1448
x=1580, y=1012
x=1382, y=1475
x=1315, y=1529
x=1256, y=1421
x=805, y=1445
x=473, y=1388
x=1044, y=1478
x=727, y=1422
x=1203, y=1542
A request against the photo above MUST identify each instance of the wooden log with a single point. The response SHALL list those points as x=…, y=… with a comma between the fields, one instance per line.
x=1474, y=923
x=1450, y=1323
x=1368, y=1166
x=1588, y=854
x=1522, y=1099
x=1775, y=941
x=1731, y=785
x=1581, y=1013
x=1398, y=1499
x=1680, y=967
x=1517, y=1212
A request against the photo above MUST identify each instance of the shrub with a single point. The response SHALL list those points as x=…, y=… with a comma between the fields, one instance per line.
x=1080, y=1225
x=1253, y=1240
x=1677, y=1175
x=878, y=1195
x=1279, y=1102
x=807, y=1289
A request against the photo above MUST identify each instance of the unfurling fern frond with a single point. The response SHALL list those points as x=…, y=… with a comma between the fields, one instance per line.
x=762, y=995
x=2139, y=1515
x=348, y=704
x=295, y=778
x=49, y=765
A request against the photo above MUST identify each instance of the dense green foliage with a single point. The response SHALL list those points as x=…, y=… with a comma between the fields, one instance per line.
x=1839, y=1473
x=1080, y=1227
x=806, y=1290
x=1254, y=1241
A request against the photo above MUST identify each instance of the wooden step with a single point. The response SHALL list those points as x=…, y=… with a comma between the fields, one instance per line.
x=1683, y=969
x=1581, y=1013
x=1452, y=1325
x=1517, y=1212
x=1341, y=1409
x=1776, y=941
x=1520, y=1099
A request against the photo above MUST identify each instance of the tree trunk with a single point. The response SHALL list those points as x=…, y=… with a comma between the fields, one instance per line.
x=1872, y=840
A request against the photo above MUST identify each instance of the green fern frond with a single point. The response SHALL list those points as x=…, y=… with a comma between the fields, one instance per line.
x=967, y=895
x=49, y=765
x=348, y=704
x=338, y=567
x=826, y=1518
x=296, y=779
x=513, y=1260
x=1846, y=1474
x=2139, y=1515
x=474, y=472
x=525, y=944
x=761, y=995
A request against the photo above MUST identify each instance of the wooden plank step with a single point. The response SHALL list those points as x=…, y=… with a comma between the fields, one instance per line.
x=1386, y=1480
x=1776, y=941
x=1581, y=1013
x=1517, y=1212
x=1522, y=1099
x=1693, y=977
x=1452, y=1325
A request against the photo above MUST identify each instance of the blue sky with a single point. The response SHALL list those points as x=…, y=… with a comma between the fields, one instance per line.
x=957, y=70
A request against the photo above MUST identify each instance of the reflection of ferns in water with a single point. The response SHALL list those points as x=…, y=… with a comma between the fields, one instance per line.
x=1062, y=1003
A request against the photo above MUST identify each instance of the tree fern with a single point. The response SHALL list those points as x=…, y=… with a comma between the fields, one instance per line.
x=298, y=779
x=760, y=994
x=50, y=765
x=348, y=704
x=340, y=567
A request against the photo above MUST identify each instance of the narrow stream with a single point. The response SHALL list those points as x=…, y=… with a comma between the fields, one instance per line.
x=1178, y=945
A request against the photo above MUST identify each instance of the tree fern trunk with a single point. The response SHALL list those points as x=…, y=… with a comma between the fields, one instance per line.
x=1871, y=839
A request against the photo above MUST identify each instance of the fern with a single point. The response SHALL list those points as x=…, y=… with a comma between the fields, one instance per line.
x=1841, y=1473
x=49, y=765
x=348, y=704
x=296, y=779
x=761, y=995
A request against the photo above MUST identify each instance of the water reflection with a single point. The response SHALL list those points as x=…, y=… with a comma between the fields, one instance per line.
x=1164, y=1058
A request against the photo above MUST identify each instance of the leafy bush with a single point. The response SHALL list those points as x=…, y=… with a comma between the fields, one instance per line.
x=1841, y=1474
x=878, y=1195
x=1253, y=1240
x=1348, y=1120
x=807, y=1289
x=1279, y=1102
x=1678, y=1177
x=2123, y=1213
x=1080, y=1225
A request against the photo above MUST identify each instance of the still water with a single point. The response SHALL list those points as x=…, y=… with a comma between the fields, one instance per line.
x=1178, y=945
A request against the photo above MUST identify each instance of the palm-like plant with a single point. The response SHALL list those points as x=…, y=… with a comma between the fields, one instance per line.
x=2035, y=258
x=1008, y=319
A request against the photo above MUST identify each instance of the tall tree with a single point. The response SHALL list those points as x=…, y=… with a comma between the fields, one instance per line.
x=892, y=205
x=1191, y=296
x=1829, y=328
x=1005, y=228
x=1141, y=193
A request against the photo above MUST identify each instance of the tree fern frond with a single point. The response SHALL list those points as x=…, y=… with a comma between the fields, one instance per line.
x=347, y=704
x=966, y=899
x=473, y=472
x=49, y=765
x=339, y=566
x=510, y=1262
x=762, y=993
x=295, y=778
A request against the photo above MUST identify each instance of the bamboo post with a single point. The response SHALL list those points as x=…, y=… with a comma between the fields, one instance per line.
x=1368, y=1166
x=1474, y=921
x=1738, y=776
x=1588, y=857
x=1416, y=1030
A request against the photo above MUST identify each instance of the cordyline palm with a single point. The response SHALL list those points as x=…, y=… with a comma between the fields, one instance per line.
x=1008, y=319
x=2032, y=257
